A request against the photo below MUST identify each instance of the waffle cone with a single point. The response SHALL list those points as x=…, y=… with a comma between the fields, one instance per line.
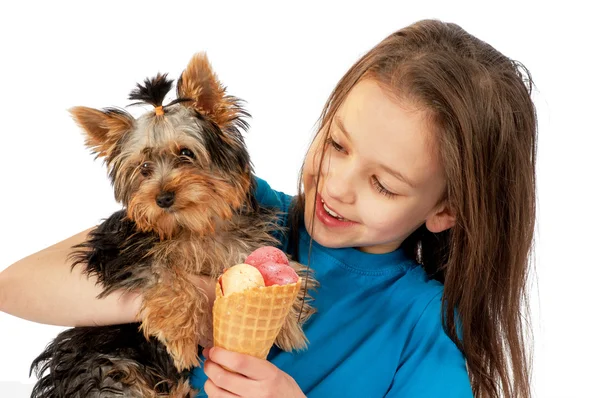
x=248, y=322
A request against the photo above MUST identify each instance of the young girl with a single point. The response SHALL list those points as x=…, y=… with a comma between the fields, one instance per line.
x=416, y=210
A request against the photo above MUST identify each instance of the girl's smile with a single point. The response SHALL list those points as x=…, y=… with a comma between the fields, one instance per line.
x=330, y=217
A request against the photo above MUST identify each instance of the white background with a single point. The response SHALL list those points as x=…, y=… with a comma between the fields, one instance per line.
x=284, y=61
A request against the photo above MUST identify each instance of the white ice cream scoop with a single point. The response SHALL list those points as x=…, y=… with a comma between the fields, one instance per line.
x=239, y=278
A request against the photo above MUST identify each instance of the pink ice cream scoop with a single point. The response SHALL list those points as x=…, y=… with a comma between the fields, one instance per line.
x=273, y=266
x=266, y=254
x=277, y=274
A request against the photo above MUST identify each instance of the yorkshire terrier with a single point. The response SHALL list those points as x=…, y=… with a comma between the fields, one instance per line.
x=184, y=177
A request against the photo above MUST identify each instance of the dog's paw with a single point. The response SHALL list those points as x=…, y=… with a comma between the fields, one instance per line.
x=184, y=353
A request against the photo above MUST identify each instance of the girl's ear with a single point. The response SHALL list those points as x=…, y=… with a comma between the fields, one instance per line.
x=442, y=219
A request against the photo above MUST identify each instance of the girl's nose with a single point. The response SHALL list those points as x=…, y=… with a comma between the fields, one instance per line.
x=339, y=185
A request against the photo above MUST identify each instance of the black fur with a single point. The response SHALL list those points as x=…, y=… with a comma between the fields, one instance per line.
x=78, y=357
x=238, y=122
x=153, y=91
x=116, y=111
x=116, y=253
x=231, y=159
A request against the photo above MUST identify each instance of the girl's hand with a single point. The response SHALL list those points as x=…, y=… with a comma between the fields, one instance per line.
x=254, y=378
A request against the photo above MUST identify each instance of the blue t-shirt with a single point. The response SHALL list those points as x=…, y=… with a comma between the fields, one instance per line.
x=377, y=331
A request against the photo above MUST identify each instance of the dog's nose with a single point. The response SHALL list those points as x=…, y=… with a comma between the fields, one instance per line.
x=165, y=199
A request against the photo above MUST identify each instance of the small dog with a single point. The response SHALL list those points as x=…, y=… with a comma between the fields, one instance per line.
x=184, y=176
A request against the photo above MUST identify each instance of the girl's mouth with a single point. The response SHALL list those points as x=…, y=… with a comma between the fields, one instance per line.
x=329, y=217
x=331, y=212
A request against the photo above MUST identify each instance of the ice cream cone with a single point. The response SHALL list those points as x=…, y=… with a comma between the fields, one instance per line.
x=248, y=322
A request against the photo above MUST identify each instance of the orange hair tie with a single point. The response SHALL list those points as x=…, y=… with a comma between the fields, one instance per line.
x=159, y=111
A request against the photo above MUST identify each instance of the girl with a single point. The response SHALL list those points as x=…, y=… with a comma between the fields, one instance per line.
x=416, y=210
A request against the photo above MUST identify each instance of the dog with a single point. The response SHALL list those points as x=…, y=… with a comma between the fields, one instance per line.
x=184, y=177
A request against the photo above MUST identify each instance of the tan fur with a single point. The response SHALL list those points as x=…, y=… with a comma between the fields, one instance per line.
x=200, y=83
x=103, y=129
x=181, y=326
x=201, y=201
x=183, y=390
x=292, y=336
x=175, y=311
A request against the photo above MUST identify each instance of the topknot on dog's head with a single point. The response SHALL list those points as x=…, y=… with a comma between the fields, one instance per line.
x=153, y=91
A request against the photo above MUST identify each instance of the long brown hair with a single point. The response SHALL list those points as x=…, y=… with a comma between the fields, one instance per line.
x=479, y=102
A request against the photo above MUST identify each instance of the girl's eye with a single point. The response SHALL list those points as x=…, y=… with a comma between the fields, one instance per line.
x=187, y=153
x=146, y=169
x=335, y=145
x=381, y=189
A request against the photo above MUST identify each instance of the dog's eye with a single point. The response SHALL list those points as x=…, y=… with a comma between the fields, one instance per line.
x=187, y=153
x=146, y=169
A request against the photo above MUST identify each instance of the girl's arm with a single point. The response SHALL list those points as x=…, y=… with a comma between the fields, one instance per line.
x=42, y=288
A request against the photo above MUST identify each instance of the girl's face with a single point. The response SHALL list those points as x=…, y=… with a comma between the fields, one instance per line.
x=380, y=179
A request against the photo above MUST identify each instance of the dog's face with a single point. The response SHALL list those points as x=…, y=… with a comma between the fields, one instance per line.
x=181, y=166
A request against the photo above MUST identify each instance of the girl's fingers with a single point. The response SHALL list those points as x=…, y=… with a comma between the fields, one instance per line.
x=246, y=365
x=231, y=382
x=213, y=391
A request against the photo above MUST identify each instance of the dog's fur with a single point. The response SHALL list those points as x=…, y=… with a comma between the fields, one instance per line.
x=184, y=176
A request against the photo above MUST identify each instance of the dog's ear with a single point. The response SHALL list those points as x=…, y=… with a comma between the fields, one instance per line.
x=200, y=85
x=103, y=129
